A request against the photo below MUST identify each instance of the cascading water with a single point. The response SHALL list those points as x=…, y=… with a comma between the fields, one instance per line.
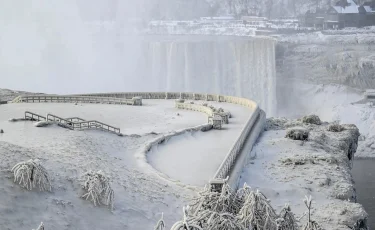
x=231, y=66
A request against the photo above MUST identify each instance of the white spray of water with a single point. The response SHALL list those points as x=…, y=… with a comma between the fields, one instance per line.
x=238, y=67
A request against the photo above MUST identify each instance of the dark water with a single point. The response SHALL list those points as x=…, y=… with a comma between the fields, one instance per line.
x=364, y=177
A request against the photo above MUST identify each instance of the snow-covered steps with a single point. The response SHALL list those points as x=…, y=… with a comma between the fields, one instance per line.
x=73, y=123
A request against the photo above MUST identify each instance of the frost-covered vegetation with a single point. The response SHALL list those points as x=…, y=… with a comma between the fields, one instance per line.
x=40, y=227
x=297, y=134
x=230, y=210
x=98, y=189
x=31, y=174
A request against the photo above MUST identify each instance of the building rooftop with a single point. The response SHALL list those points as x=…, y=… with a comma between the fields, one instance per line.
x=352, y=8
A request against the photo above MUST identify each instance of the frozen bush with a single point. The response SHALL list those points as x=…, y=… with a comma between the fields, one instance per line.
x=312, y=119
x=160, y=225
x=1, y=131
x=286, y=220
x=98, y=189
x=40, y=227
x=335, y=128
x=31, y=174
x=310, y=224
x=257, y=212
x=297, y=134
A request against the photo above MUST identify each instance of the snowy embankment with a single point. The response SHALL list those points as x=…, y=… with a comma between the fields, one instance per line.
x=286, y=170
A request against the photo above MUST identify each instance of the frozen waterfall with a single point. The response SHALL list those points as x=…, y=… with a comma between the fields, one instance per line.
x=231, y=66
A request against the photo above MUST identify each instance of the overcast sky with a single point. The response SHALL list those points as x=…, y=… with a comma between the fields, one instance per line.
x=46, y=47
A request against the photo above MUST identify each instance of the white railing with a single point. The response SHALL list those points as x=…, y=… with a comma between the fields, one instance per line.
x=194, y=107
x=72, y=99
x=83, y=124
x=34, y=117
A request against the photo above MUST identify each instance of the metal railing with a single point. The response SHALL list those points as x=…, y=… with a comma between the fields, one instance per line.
x=75, y=119
x=72, y=99
x=83, y=124
x=230, y=160
x=34, y=117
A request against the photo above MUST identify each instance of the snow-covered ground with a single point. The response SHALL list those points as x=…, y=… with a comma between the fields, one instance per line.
x=154, y=116
x=140, y=194
x=193, y=158
x=286, y=170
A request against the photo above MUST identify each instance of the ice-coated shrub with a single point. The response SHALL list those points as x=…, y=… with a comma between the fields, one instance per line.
x=286, y=220
x=160, y=225
x=31, y=174
x=98, y=189
x=312, y=119
x=257, y=212
x=335, y=128
x=229, y=210
x=310, y=224
x=40, y=227
x=1, y=131
x=297, y=134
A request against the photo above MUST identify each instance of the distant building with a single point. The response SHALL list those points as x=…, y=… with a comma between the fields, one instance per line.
x=367, y=14
x=315, y=18
x=345, y=13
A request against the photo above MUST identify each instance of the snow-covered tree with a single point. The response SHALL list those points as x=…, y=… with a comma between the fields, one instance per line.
x=98, y=188
x=31, y=174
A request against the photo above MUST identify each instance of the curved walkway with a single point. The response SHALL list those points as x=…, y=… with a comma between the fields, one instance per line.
x=230, y=161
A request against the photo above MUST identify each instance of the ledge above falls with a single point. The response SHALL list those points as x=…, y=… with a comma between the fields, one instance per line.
x=294, y=158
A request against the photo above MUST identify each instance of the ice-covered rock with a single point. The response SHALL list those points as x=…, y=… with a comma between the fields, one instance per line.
x=320, y=167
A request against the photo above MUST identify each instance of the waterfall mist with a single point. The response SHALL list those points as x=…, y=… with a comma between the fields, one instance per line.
x=67, y=46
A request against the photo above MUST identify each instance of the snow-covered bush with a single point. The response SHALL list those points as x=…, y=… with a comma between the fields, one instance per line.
x=1, y=131
x=286, y=220
x=312, y=119
x=229, y=210
x=98, y=189
x=31, y=174
x=297, y=134
x=40, y=227
x=335, y=128
x=257, y=212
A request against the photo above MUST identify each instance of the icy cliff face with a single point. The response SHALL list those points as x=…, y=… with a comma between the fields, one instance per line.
x=232, y=66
